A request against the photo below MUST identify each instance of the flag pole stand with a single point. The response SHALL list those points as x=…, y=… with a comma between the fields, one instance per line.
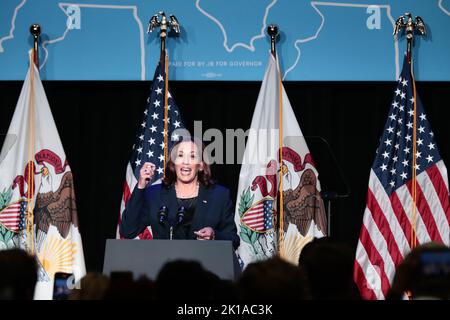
x=329, y=197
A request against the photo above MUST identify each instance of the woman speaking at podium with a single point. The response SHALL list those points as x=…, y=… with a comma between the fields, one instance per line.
x=186, y=205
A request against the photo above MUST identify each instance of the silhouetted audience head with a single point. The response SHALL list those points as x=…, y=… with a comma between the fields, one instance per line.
x=18, y=275
x=423, y=274
x=185, y=280
x=122, y=286
x=329, y=269
x=273, y=279
x=91, y=287
x=144, y=288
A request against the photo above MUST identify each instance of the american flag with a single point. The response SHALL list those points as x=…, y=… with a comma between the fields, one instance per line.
x=149, y=145
x=13, y=216
x=389, y=219
x=259, y=216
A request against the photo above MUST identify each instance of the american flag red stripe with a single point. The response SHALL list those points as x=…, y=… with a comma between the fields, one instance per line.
x=10, y=217
x=375, y=258
x=437, y=213
x=427, y=227
x=439, y=192
x=384, y=204
x=129, y=184
x=441, y=188
x=402, y=218
x=384, y=227
x=406, y=201
x=126, y=192
x=360, y=278
x=254, y=217
x=423, y=209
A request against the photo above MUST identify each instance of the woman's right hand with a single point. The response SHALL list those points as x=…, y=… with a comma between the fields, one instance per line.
x=146, y=174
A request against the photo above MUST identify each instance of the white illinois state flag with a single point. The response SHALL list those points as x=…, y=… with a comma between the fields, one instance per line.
x=266, y=170
x=37, y=201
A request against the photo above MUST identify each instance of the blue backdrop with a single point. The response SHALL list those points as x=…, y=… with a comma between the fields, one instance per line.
x=222, y=39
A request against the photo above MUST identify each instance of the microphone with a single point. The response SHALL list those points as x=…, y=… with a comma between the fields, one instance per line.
x=163, y=219
x=162, y=214
x=180, y=215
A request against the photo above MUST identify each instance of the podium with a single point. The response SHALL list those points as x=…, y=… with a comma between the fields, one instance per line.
x=147, y=257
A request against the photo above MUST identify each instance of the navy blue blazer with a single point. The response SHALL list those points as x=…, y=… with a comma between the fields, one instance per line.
x=214, y=209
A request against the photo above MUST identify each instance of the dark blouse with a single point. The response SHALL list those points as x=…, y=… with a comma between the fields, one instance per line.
x=189, y=205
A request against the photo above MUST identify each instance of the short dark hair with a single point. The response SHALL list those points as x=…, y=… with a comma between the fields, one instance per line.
x=328, y=266
x=264, y=280
x=410, y=276
x=181, y=280
x=18, y=275
x=204, y=176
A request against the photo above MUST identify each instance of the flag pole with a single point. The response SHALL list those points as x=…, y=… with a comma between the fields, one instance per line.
x=411, y=27
x=160, y=21
x=272, y=31
x=163, y=60
x=35, y=31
